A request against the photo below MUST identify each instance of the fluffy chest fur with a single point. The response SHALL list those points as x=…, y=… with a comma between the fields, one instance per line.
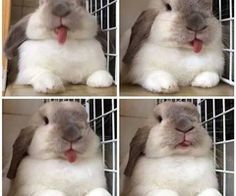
x=183, y=64
x=73, y=61
x=72, y=179
x=186, y=175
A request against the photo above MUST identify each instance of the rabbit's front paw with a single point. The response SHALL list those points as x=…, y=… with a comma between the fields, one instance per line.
x=100, y=79
x=48, y=83
x=206, y=80
x=99, y=192
x=160, y=82
x=162, y=193
x=210, y=192
x=49, y=193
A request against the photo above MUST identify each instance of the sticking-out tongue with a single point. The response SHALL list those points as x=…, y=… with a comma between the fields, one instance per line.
x=61, y=34
x=71, y=155
x=197, y=45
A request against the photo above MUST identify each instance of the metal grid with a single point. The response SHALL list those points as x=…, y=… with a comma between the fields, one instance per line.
x=217, y=116
x=102, y=116
x=106, y=13
x=224, y=11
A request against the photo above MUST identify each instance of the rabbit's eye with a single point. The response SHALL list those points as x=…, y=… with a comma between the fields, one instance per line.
x=159, y=118
x=168, y=7
x=46, y=121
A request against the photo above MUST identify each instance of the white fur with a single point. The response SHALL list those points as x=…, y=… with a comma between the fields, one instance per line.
x=47, y=65
x=100, y=79
x=162, y=193
x=184, y=67
x=98, y=192
x=206, y=79
x=35, y=176
x=160, y=81
x=45, y=171
x=177, y=175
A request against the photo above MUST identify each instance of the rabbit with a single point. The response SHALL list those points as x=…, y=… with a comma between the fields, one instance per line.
x=58, y=44
x=57, y=154
x=173, y=43
x=170, y=156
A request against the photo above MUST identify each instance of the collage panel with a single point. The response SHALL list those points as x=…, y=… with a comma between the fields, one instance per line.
x=60, y=48
x=168, y=144
x=118, y=97
x=60, y=147
x=177, y=48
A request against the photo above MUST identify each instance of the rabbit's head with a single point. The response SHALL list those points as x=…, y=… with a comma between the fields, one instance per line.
x=186, y=24
x=62, y=18
x=57, y=131
x=174, y=130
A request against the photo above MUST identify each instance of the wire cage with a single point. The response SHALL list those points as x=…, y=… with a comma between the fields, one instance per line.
x=217, y=116
x=106, y=13
x=224, y=11
x=102, y=116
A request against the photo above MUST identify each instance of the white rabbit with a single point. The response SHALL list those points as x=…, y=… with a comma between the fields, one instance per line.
x=57, y=45
x=174, y=43
x=171, y=156
x=57, y=155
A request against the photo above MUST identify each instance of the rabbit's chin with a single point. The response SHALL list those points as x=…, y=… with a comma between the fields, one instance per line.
x=185, y=148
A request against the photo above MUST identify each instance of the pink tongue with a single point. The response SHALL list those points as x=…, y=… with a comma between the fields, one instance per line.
x=71, y=155
x=197, y=45
x=61, y=34
x=186, y=144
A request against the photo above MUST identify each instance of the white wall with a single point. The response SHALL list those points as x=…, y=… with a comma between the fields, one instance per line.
x=129, y=12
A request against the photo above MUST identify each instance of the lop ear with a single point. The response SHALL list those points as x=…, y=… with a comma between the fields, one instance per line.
x=140, y=33
x=20, y=148
x=82, y=3
x=102, y=38
x=137, y=147
x=16, y=37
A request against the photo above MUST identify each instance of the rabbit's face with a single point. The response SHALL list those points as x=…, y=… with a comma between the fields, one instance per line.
x=63, y=132
x=63, y=17
x=186, y=24
x=177, y=131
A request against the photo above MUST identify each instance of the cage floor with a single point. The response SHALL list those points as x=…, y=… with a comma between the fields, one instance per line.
x=220, y=90
x=71, y=90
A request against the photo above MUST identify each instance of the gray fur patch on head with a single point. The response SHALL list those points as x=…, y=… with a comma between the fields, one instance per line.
x=140, y=33
x=193, y=16
x=175, y=109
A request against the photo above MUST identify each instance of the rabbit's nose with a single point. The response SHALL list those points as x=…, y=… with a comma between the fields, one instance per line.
x=184, y=124
x=196, y=22
x=61, y=9
x=71, y=133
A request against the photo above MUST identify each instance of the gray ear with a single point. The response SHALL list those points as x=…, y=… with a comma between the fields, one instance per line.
x=20, y=148
x=137, y=147
x=82, y=3
x=16, y=37
x=102, y=38
x=140, y=33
